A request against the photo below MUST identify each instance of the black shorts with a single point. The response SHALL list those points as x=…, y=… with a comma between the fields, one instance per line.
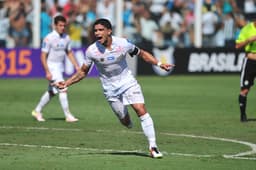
x=248, y=73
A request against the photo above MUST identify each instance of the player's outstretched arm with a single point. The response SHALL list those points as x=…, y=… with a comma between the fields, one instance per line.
x=79, y=75
x=244, y=43
x=149, y=58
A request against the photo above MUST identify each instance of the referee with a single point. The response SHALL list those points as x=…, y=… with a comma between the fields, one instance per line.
x=247, y=40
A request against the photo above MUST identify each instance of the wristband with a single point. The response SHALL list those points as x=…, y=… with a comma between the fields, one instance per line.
x=159, y=63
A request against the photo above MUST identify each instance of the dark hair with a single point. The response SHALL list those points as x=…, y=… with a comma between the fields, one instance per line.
x=59, y=18
x=102, y=21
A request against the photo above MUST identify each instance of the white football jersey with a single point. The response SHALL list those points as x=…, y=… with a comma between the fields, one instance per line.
x=56, y=46
x=113, y=70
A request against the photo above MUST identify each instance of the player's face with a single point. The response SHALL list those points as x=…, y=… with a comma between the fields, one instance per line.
x=60, y=27
x=102, y=34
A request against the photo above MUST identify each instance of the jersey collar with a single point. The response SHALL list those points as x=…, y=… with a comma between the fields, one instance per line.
x=56, y=33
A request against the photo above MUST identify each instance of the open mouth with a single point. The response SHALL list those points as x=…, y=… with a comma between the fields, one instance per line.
x=99, y=38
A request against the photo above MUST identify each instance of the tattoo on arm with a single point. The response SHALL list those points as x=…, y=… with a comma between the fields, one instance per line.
x=78, y=76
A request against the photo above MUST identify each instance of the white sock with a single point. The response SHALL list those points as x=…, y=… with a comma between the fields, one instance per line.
x=43, y=101
x=148, y=129
x=63, y=98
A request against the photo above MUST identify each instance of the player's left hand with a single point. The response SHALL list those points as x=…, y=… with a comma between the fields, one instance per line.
x=166, y=67
x=60, y=85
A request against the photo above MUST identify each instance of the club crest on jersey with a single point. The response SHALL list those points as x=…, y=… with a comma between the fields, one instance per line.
x=165, y=56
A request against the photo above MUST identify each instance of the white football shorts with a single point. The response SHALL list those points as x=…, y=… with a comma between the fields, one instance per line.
x=57, y=76
x=132, y=95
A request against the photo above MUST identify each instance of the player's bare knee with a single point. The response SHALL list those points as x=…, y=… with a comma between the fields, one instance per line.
x=244, y=92
x=140, y=110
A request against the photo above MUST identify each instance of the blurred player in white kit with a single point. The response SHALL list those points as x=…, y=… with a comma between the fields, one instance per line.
x=55, y=47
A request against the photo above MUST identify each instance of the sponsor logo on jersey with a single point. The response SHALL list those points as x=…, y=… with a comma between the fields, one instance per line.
x=60, y=45
x=110, y=58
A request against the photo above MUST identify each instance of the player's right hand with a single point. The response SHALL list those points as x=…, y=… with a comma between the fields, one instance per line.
x=166, y=67
x=48, y=76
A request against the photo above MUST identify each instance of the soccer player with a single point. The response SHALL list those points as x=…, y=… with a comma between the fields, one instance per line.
x=120, y=87
x=247, y=39
x=55, y=47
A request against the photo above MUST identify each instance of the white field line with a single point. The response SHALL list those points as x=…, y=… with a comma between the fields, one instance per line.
x=234, y=156
x=97, y=150
x=38, y=128
x=71, y=148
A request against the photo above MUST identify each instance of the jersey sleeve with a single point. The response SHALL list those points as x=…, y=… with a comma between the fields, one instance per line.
x=242, y=35
x=132, y=49
x=88, y=58
x=46, y=45
x=68, y=44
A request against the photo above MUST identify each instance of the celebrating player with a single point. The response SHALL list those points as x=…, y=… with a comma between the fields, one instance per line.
x=119, y=85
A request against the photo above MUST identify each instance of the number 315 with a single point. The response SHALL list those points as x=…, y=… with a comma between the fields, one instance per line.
x=18, y=64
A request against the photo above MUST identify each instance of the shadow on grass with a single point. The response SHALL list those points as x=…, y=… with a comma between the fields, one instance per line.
x=122, y=153
x=251, y=120
x=129, y=153
x=56, y=119
x=248, y=120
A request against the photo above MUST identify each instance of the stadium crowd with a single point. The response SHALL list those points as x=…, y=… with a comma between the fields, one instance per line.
x=158, y=23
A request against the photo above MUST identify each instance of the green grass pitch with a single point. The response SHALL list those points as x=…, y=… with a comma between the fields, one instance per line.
x=196, y=120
